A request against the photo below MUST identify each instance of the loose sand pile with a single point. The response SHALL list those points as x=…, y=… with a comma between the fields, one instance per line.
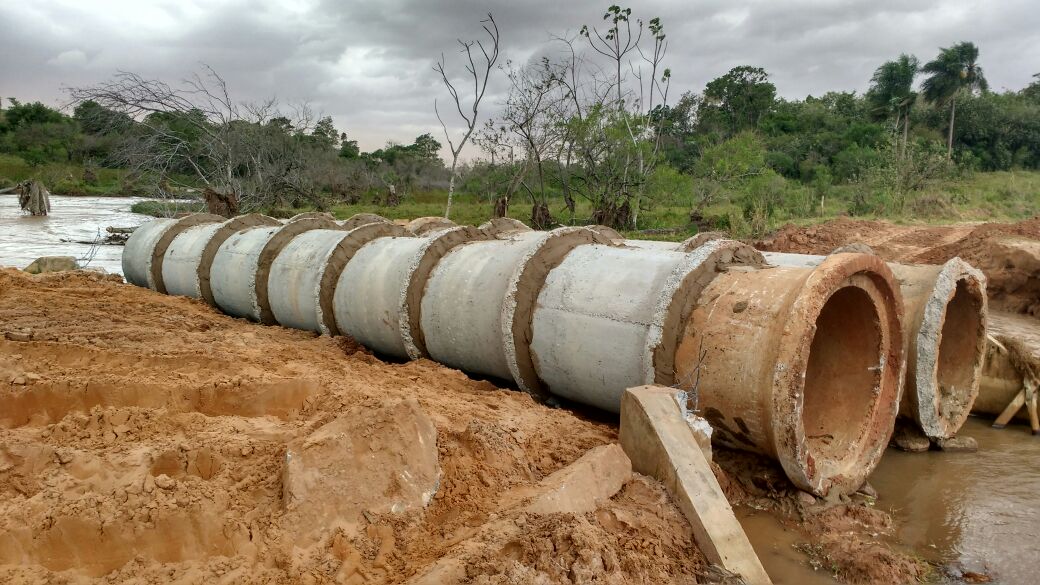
x=1009, y=254
x=146, y=438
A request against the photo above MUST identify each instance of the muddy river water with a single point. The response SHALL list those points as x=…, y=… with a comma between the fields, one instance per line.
x=24, y=238
x=978, y=511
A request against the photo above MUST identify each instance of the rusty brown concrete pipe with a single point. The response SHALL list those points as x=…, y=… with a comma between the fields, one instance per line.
x=803, y=364
x=945, y=313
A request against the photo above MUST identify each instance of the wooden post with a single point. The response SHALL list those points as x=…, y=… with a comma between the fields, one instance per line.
x=1016, y=403
x=1034, y=421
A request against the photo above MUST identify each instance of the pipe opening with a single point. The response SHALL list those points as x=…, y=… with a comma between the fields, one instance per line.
x=959, y=351
x=842, y=378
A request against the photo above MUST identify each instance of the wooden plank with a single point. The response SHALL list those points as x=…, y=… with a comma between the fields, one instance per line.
x=661, y=444
x=1016, y=403
x=1034, y=421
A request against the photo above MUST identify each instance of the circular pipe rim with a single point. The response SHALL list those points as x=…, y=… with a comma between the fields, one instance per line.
x=270, y=251
x=336, y=261
x=793, y=351
x=163, y=243
x=359, y=219
x=424, y=260
x=677, y=300
x=928, y=344
x=209, y=252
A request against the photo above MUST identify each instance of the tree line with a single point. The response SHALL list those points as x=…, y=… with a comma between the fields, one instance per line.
x=587, y=133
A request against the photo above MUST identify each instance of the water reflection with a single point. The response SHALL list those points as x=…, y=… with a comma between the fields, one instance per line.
x=973, y=512
x=24, y=238
x=976, y=509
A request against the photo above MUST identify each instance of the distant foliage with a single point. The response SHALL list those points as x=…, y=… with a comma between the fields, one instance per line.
x=586, y=133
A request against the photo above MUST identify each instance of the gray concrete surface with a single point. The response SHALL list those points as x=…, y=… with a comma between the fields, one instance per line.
x=181, y=265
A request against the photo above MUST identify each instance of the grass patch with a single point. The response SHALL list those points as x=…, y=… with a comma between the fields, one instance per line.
x=66, y=178
x=159, y=208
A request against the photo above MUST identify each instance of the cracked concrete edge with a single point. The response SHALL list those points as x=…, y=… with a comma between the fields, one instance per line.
x=703, y=257
x=514, y=309
x=929, y=340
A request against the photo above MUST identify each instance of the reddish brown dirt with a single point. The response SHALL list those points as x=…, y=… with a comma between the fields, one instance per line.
x=1008, y=253
x=144, y=439
x=847, y=538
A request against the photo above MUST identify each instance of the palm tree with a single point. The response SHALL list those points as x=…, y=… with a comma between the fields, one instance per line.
x=955, y=70
x=891, y=91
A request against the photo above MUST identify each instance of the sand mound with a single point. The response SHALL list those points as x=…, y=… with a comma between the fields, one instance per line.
x=145, y=438
x=1007, y=253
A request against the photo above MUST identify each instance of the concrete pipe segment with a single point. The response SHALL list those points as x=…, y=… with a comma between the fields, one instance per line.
x=476, y=313
x=802, y=364
x=189, y=258
x=609, y=318
x=303, y=276
x=239, y=276
x=377, y=300
x=145, y=250
x=944, y=321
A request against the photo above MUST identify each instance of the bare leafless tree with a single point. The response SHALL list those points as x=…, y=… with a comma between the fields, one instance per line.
x=529, y=113
x=196, y=135
x=469, y=114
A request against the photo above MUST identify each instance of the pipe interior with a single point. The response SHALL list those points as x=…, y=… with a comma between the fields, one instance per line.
x=959, y=351
x=842, y=377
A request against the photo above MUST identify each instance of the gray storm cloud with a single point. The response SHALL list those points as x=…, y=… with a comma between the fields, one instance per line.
x=369, y=64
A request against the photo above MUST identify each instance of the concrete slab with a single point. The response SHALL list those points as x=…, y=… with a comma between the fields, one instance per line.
x=661, y=444
x=585, y=484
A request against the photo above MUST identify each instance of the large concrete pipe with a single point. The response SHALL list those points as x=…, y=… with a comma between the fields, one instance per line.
x=243, y=262
x=687, y=245
x=189, y=258
x=609, y=318
x=424, y=225
x=651, y=245
x=303, y=276
x=1012, y=354
x=801, y=364
x=503, y=226
x=479, y=300
x=377, y=299
x=146, y=248
x=944, y=323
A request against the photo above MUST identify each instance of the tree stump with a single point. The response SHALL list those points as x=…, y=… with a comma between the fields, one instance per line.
x=502, y=207
x=34, y=197
x=223, y=204
x=541, y=218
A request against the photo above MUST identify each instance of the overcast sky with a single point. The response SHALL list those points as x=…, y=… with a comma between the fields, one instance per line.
x=368, y=64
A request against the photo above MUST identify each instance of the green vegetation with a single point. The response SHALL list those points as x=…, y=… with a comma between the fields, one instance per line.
x=66, y=178
x=993, y=196
x=927, y=143
x=167, y=208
